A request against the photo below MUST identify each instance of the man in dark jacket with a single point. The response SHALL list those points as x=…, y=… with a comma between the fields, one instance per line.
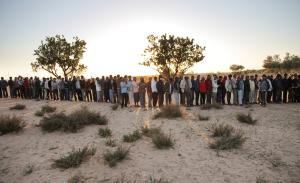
x=11, y=87
x=192, y=90
x=168, y=87
x=286, y=86
x=4, y=85
x=197, y=91
x=279, y=87
x=160, y=91
x=246, y=90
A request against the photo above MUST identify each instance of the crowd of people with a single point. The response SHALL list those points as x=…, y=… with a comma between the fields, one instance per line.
x=157, y=91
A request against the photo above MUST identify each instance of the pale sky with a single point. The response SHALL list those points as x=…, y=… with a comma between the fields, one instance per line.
x=233, y=31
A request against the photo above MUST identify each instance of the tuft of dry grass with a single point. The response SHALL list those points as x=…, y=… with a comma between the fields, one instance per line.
x=78, y=178
x=150, y=132
x=114, y=157
x=220, y=130
x=39, y=113
x=261, y=180
x=203, y=118
x=169, y=111
x=110, y=142
x=18, y=107
x=48, y=109
x=136, y=135
x=163, y=141
x=104, y=132
x=243, y=118
x=28, y=169
x=115, y=107
x=10, y=124
x=211, y=106
x=74, y=158
x=53, y=122
x=234, y=140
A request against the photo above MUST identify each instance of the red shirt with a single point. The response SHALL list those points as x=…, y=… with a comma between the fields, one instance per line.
x=208, y=85
x=202, y=87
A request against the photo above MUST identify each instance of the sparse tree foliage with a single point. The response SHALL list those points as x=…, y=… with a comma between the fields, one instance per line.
x=275, y=62
x=55, y=55
x=236, y=68
x=170, y=55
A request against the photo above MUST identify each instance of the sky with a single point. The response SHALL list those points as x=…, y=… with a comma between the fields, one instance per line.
x=233, y=31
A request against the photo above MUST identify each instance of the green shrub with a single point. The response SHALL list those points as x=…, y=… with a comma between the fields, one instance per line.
x=243, y=118
x=150, y=132
x=85, y=117
x=28, y=169
x=18, y=107
x=136, y=135
x=74, y=158
x=169, y=111
x=110, y=142
x=163, y=141
x=114, y=107
x=203, y=118
x=234, y=140
x=104, y=132
x=76, y=179
x=155, y=180
x=113, y=157
x=261, y=180
x=10, y=124
x=39, y=113
x=211, y=106
x=53, y=122
x=48, y=109
x=222, y=130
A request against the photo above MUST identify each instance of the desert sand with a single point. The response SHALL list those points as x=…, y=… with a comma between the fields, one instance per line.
x=272, y=148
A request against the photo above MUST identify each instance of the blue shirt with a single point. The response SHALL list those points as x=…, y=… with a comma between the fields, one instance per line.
x=124, y=87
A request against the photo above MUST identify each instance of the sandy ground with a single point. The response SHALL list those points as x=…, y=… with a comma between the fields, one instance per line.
x=274, y=140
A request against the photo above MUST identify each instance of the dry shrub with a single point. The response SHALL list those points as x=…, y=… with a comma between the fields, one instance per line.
x=203, y=118
x=261, y=180
x=18, y=107
x=136, y=135
x=150, y=132
x=220, y=130
x=169, y=111
x=163, y=141
x=110, y=142
x=104, y=132
x=211, y=106
x=234, y=140
x=243, y=118
x=113, y=157
x=10, y=124
x=115, y=107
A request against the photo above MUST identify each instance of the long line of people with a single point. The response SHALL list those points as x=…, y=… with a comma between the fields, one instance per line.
x=183, y=90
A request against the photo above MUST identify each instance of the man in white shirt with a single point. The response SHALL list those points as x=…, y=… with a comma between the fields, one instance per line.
x=154, y=91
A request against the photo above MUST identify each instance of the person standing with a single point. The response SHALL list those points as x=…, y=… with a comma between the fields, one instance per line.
x=223, y=89
x=130, y=91
x=229, y=88
x=55, y=89
x=93, y=87
x=252, y=99
x=124, y=91
x=185, y=86
x=234, y=90
x=197, y=92
x=214, y=88
x=149, y=92
x=240, y=89
x=176, y=89
x=192, y=90
x=61, y=86
x=286, y=86
x=168, y=91
x=263, y=88
x=98, y=88
x=82, y=88
x=154, y=91
x=26, y=88
x=4, y=85
x=160, y=91
x=269, y=92
x=246, y=90
x=203, y=90
x=209, y=89
x=11, y=87
x=279, y=88
x=135, y=89
x=142, y=91
x=88, y=90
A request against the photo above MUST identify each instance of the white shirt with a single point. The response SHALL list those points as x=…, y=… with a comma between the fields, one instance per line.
x=153, y=86
x=98, y=86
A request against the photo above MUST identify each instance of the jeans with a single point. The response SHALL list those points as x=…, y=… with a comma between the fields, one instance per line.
x=240, y=96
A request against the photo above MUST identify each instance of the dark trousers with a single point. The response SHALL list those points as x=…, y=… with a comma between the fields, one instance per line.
x=160, y=99
x=182, y=98
x=55, y=94
x=79, y=95
x=274, y=96
x=263, y=97
x=94, y=94
x=285, y=91
x=197, y=97
x=62, y=94
x=246, y=96
x=168, y=98
x=154, y=97
x=269, y=96
x=278, y=95
x=192, y=97
x=124, y=99
x=5, y=94
x=208, y=97
x=202, y=98
x=88, y=95
x=228, y=95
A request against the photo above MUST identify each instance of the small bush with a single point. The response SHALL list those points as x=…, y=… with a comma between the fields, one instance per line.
x=104, y=132
x=155, y=180
x=169, y=111
x=73, y=122
x=211, y=106
x=136, y=135
x=114, y=107
x=48, y=109
x=10, y=124
x=163, y=141
x=243, y=118
x=110, y=142
x=221, y=130
x=261, y=180
x=85, y=117
x=74, y=158
x=113, y=157
x=28, y=169
x=18, y=107
x=150, y=132
x=203, y=118
x=39, y=113
x=76, y=179
x=229, y=142
x=53, y=122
